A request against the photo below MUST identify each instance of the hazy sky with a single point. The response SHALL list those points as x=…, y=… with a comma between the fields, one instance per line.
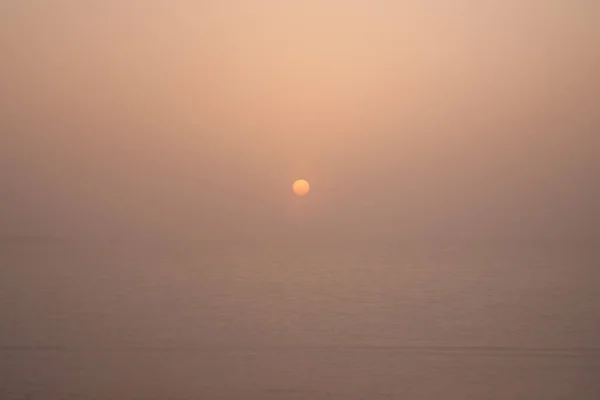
x=193, y=118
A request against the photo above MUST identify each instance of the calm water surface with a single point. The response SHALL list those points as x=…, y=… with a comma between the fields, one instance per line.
x=355, y=321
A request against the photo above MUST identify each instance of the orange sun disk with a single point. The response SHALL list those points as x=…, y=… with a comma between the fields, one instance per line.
x=301, y=187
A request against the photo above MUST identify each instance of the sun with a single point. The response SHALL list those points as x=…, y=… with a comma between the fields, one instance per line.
x=301, y=187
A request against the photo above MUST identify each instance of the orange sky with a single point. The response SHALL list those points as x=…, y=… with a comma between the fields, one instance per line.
x=194, y=118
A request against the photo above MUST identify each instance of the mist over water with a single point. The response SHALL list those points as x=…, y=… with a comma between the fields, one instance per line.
x=187, y=320
x=151, y=246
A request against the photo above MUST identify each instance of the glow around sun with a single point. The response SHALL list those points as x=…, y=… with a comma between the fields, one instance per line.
x=301, y=187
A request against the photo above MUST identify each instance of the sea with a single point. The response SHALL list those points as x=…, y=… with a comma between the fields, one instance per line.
x=183, y=320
